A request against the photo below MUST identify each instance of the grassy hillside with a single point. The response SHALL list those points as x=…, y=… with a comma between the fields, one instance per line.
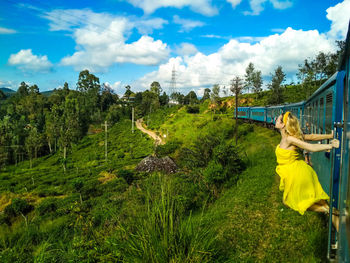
x=102, y=211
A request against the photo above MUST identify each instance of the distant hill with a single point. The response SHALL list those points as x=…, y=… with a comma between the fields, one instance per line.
x=47, y=93
x=7, y=90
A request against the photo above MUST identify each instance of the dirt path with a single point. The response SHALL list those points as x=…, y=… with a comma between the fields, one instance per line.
x=158, y=140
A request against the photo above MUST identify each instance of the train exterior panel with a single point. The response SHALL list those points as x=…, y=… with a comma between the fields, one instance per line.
x=258, y=114
x=344, y=193
x=320, y=114
x=243, y=112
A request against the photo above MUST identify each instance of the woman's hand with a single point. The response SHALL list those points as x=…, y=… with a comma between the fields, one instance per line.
x=335, y=143
x=331, y=135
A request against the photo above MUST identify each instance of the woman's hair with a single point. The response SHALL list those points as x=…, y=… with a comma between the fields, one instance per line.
x=293, y=127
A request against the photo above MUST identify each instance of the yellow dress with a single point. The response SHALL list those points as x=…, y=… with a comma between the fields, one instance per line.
x=298, y=181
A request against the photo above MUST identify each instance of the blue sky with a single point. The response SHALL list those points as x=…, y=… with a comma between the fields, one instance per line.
x=136, y=42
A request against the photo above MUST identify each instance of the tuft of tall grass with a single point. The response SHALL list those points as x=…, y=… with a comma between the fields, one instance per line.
x=164, y=234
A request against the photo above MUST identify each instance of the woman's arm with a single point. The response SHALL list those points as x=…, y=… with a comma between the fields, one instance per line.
x=318, y=137
x=312, y=147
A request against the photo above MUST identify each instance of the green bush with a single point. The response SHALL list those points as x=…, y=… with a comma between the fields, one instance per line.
x=17, y=207
x=192, y=109
x=127, y=175
x=168, y=148
x=214, y=173
x=47, y=206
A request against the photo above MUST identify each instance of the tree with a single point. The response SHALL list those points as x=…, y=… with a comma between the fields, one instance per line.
x=156, y=88
x=23, y=90
x=191, y=98
x=87, y=81
x=32, y=143
x=65, y=89
x=257, y=82
x=249, y=77
x=2, y=95
x=33, y=90
x=236, y=88
x=89, y=86
x=71, y=127
x=177, y=96
x=128, y=92
x=276, y=86
x=164, y=99
x=206, y=94
x=107, y=97
x=214, y=96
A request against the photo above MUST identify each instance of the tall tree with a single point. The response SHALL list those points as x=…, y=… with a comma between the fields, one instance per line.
x=276, y=86
x=156, y=88
x=89, y=86
x=164, y=99
x=191, y=98
x=32, y=143
x=236, y=88
x=257, y=83
x=249, y=77
x=214, y=96
x=23, y=89
x=2, y=95
x=107, y=97
x=206, y=94
x=128, y=92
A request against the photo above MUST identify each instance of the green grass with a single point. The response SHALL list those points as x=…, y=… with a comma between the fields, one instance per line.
x=153, y=217
x=251, y=221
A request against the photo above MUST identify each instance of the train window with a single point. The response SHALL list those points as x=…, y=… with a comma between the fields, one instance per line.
x=320, y=116
x=329, y=109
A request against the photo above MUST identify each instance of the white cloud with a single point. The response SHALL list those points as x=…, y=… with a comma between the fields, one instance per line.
x=214, y=36
x=4, y=30
x=115, y=86
x=187, y=24
x=258, y=6
x=26, y=61
x=234, y=3
x=200, y=6
x=287, y=49
x=339, y=16
x=146, y=26
x=186, y=49
x=102, y=39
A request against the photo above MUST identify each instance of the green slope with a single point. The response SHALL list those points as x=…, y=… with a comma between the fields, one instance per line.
x=139, y=217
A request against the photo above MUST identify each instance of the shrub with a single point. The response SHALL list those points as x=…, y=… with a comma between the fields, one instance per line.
x=18, y=207
x=48, y=205
x=168, y=148
x=214, y=173
x=120, y=153
x=192, y=109
x=127, y=175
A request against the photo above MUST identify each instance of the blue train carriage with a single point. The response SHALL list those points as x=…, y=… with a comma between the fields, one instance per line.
x=344, y=193
x=258, y=114
x=272, y=113
x=322, y=112
x=242, y=113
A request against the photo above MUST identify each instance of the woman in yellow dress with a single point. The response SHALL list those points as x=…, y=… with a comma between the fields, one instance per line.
x=302, y=190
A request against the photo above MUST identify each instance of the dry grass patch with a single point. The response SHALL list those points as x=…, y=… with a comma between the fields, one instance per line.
x=105, y=177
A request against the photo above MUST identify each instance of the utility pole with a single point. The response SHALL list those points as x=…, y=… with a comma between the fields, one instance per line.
x=106, y=137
